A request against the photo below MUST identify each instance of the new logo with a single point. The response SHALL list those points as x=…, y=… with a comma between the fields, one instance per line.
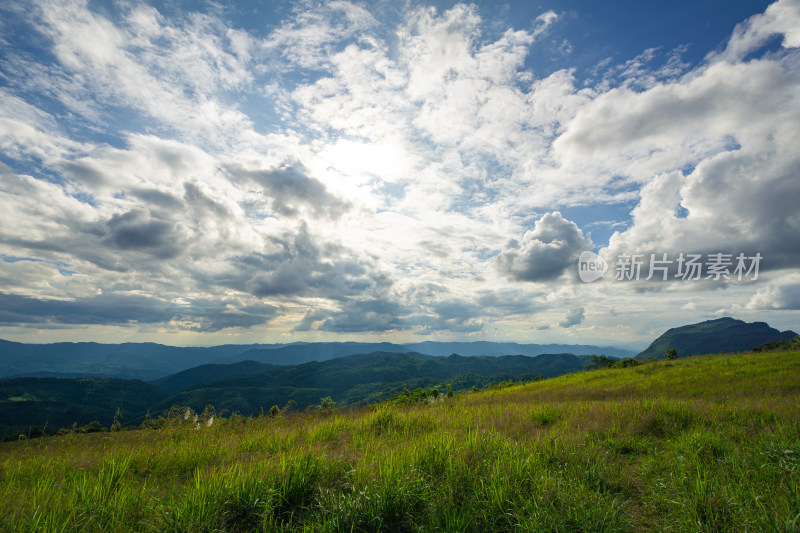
x=591, y=267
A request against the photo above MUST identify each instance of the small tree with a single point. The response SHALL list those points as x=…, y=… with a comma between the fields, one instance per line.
x=327, y=405
x=671, y=354
x=115, y=423
x=291, y=405
x=274, y=411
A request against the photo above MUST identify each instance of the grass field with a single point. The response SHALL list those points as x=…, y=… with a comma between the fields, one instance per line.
x=699, y=444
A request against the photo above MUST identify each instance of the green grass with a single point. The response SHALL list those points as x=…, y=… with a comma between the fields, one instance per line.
x=698, y=444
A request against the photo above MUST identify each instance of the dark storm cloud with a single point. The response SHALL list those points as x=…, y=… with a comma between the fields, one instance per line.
x=288, y=189
x=764, y=215
x=304, y=267
x=360, y=316
x=115, y=309
x=214, y=315
x=546, y=252
x=788, y=298
x=154, y=197
x=456, y=315
x=80, y=246
x=101, y=309
x=138, y=231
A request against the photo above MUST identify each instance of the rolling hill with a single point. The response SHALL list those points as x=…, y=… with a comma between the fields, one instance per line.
x=366, y=378
x=208, y=373
x=58, y=403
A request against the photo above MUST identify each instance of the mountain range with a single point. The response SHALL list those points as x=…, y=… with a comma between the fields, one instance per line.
x=150, y=361
x=81, y=382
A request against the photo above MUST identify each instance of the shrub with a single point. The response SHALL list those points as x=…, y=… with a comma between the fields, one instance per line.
x=601, y=361
x=326, y=405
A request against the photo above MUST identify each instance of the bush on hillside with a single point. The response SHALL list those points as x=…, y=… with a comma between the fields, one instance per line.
x=601, y=361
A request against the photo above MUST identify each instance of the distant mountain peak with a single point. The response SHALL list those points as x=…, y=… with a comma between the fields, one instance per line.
x=726, y=334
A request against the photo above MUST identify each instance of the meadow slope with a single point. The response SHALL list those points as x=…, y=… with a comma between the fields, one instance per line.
x=706, y=443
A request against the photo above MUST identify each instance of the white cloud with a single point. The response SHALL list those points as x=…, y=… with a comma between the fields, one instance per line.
x=782, y=17
x=781, y=294
x=309, y=38
x=174, y=75
x=573, y=318
x=735, y=201
x=393, y=164
x=545, y=252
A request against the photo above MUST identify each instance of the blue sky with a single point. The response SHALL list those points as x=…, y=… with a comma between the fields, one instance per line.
x=199, y=173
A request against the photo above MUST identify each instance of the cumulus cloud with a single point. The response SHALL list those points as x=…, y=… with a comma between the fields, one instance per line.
x=287, y=189
x=723, y=139
x=359, y=316
x=737, y=201
x=360, y=175
x=456, y=315
x=781, y=18
x=137, y=230
x=301, y=266
x=782, y=294
x=573, y=318
x=545, y=252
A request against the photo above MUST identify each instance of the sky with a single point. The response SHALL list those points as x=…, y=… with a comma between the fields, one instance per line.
x=200, y=173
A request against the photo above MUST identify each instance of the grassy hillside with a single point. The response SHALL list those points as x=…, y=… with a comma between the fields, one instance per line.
x=792, y=344
x=722, y=335
x=700, y=444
